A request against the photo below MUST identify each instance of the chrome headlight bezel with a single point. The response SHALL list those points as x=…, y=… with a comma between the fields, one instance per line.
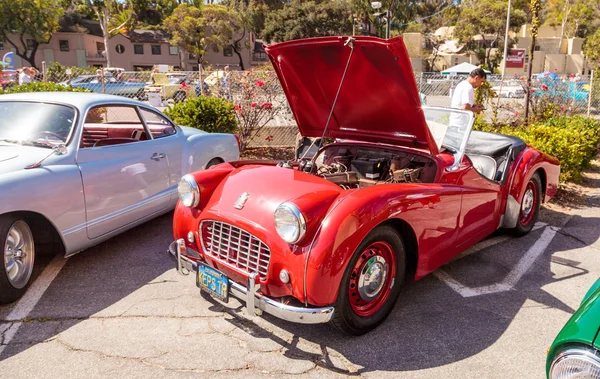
x=188, y=191
x=289, y=209
x=579, y=354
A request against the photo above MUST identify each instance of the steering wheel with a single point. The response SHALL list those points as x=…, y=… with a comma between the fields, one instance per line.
x=47, y=134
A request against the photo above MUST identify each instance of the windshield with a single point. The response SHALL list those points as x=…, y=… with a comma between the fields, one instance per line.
x=23, y=122
x=450, y=128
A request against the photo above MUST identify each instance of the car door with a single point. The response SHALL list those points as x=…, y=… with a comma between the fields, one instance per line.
x=480, y=206
x=125, y=175
x=169, y=139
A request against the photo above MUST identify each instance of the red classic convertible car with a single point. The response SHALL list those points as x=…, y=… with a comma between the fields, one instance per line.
x=401, y=191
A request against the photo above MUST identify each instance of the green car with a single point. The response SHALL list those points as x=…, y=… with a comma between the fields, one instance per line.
x=575, y=353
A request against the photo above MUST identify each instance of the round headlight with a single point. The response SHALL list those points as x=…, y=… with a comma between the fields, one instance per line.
x=575, y=363
x=189, y=193
x=289, y=222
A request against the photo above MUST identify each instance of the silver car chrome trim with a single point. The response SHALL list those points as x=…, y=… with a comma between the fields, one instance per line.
x=256, y=302
x=117, y=213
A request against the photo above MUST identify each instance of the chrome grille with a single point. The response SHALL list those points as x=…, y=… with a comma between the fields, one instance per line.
x=235, y=247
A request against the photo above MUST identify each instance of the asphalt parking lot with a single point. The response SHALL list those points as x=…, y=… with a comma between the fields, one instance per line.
x=120, y=310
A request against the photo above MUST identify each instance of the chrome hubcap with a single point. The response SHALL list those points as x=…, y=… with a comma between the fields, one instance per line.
x=19, y=254
x=527, y=203
x=372, y=277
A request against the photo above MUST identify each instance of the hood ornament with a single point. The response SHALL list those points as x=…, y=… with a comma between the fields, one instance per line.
x=241, y=201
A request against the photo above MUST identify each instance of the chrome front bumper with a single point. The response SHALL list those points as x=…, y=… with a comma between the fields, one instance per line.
x=256, y=303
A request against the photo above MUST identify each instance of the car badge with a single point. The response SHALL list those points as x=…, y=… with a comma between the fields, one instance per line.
x=241, y=201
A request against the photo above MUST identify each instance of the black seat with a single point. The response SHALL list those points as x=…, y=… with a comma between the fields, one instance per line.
x=502, y=148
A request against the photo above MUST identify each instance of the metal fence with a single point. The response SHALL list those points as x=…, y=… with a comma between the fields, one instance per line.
x=505, y=99
x=264, y=115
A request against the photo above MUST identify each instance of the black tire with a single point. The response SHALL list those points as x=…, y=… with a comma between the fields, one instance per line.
x=179, y=96
x=526, y=223
x=345, y=318
x=8, y=291
x=213, y=162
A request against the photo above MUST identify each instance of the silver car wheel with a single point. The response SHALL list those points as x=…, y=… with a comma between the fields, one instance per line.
x=527, y=203
x=372, y=278
x=19, y=254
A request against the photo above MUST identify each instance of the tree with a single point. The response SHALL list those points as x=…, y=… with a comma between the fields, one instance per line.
x=487, y=19
x=222, y=24
x=535, y=6
x=211, y=26
x=105, y=11
x=29, y=20
x=305, y=19
x=186, y=26
x=592, y=49
x=573, y=16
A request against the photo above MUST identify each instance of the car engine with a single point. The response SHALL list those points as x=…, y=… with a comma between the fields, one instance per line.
x=359, y=167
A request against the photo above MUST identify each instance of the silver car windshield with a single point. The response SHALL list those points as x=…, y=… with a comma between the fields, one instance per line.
x=450, y=128
x=34, y=123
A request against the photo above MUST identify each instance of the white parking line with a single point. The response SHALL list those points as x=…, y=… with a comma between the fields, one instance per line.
x=513, y=276
x=31, y=298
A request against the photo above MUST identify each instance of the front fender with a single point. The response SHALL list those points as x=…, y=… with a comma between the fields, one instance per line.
x=349, y=222
x=52, y=191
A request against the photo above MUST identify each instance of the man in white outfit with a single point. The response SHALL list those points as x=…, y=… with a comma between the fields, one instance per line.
x=463, y=98
x=24, y=76
x=464, y=93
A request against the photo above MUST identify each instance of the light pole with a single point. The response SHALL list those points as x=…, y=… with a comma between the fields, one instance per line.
x=506, y=40
x=377, y=5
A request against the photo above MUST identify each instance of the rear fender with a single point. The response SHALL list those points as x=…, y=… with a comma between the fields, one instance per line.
x=200, y=148
x=527, y=164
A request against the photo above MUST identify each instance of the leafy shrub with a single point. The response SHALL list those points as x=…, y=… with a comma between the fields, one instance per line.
x=573, y=140
x=41, y=87
x=210, y=114
x=257, y=102
x=58, y=73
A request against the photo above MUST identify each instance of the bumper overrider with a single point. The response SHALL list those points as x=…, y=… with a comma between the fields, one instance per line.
x=256, y=303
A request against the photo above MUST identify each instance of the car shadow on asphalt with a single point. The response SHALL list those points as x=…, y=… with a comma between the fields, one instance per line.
x=431, y=324
x=94, y=280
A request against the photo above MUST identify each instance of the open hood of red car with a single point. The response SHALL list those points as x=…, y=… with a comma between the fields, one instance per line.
x=378, y=100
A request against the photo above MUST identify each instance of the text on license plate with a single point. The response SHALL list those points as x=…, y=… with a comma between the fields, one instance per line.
x=213, y=281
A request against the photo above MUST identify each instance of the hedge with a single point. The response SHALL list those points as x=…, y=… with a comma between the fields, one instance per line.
x=573, y=140
x=41, y=87
x=211, y=114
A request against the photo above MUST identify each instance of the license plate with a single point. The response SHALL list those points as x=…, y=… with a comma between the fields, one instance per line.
x=213, y=281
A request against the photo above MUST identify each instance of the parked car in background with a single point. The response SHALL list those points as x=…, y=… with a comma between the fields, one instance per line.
x=79, y=168
x=402, y=190
x=564, y=92
x=8, y=78
x=172, y=85
x=112, y=86
x=510, y=89
x=575, y=352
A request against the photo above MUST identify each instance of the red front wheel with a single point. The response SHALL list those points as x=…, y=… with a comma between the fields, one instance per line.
x=371, y=283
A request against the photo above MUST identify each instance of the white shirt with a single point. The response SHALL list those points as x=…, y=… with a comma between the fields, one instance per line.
x=24, y=78
x=463, y=94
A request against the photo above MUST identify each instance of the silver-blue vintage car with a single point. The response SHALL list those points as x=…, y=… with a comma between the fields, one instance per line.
x=79, y=168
